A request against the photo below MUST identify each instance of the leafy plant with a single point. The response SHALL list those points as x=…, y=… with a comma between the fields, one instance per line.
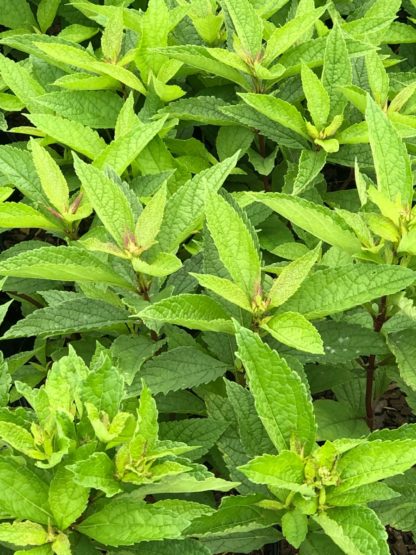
x=207, y=276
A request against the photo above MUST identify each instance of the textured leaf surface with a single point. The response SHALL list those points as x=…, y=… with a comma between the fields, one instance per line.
x=336, y=289
x=181, y=368
x=403, y=346
x=67, y=499
x=234, y=243
x=197, y=312
x=391, y=161
x=23, y=494
x=62, y=264
x=69, y=317
x=281, y=399
x=356, y=530
x=293, y=329
x=318, y=220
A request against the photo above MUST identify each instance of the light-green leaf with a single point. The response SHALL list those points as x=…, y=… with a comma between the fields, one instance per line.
x=277, y=110
x=23, y=533
x=281, y=398
x=62, y=264
x=317, y=97
x=374, y=461
x=98, y=472
x=337, y=289
x=293, y=329
x=318, y=220
x=391, y=161
x=337, y=70
x=18, y=215
x=247, y=23
x=109, y=202
x=356, y=530
x=51, y=177
x=403, y=346
x=197, y=312
x=234, y=243
x=67, y=499
x=224, y=288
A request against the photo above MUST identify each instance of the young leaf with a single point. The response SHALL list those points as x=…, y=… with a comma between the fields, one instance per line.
x=150, y=220
x=295, y=527
x=108, y=200
x=317, y=97
x=197, y=312
x=285, y=471
x=292, y=276
x=51, y=177
x=98, y=472
x=18, y=215
x=318, y=220
x=277, y=110
x=337, y=289
x=247, y=23
x=224, y=288
x=112, y=37
x=391, y=161
x=234, y=243
x=281, y=399
x=355, y=530
x=293, y=329
x=46, y=13
x=337, y=70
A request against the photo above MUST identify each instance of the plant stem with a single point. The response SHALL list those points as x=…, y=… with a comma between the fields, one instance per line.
x=378, y=322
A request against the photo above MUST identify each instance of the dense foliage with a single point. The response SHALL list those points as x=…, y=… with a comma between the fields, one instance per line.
x=207, y=272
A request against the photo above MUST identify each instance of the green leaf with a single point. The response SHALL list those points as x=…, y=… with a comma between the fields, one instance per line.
x=337, y=70
x=19, y=80
x=292, y=276
x=281, y=398
x=16, y=15
x=96, y=109
x=17, y=165
x=72, y=316
x=127, y=521
x=184, y=211
x=103, y=388
x=247, y=23
x=318, y=220
x=225, y=288
x=17, y=215
x=181, y=368
x=20, y=440
x=98, y=472
x=108, y=200
x=51, y=177
x=121, y=152
x=317, y=97
x=46, y=13
x=336, y=419
x=234, y=243
x=112, y=37
x=391, y=161
x=78, y=57
x=23, y=494
x=373, y=461
x=163, y=264
x=403, y=346
x=150, y=220
x=199, y=57
x=277, y=110
x=62, y=264
x=295, y=527
x=23, y=533
x=337, y=289
x=284, y=471
x=67, y=499
x=356, y=530
x=197, y=312
x=311, y=163
x=293, y=329
x=282, y=38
